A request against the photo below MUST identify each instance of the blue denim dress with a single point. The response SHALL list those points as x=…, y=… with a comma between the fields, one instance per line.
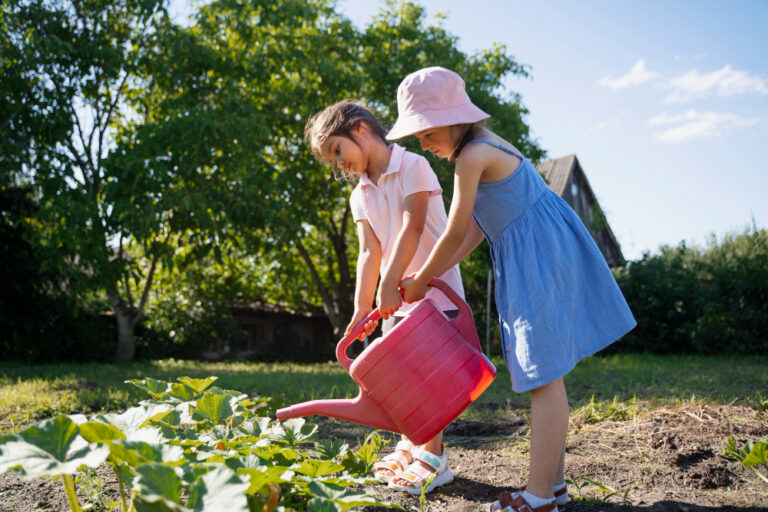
x=557, y=299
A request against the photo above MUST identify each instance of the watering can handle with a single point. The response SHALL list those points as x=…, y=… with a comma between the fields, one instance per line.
x=464, y=322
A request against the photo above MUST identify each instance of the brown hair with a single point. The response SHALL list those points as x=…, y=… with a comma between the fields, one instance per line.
x=340, y=119
x=466, y=138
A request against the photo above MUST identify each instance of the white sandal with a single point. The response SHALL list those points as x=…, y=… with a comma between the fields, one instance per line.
x=394, y=463
x=417, y=475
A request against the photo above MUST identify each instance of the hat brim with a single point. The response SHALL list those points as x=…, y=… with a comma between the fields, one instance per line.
x=419, y=121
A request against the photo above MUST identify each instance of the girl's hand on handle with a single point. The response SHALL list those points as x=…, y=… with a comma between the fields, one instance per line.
x=413, y=289
x=358, y=317
x=388, y=301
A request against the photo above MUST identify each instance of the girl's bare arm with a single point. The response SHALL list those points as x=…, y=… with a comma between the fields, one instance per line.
x=368, y=263
x=414, y=217
x=467, y=176
x=473, y=237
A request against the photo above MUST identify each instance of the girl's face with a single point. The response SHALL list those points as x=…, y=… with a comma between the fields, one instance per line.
x=440, y=140
x=346, y=154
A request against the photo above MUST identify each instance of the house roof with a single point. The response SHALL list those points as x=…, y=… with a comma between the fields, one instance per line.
x=557, y=171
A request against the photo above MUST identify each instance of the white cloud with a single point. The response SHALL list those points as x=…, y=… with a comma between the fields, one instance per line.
x=722, y=82
x=693, y=124
x=636, y=76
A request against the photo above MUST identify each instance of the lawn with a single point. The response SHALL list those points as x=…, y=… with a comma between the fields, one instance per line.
x=33, y=392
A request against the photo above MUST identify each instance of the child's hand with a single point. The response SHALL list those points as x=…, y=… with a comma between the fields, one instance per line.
x=358, y=317
x=388, y=301
x=413, y=290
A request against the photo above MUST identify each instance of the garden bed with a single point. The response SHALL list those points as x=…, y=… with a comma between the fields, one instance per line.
x=667, y=458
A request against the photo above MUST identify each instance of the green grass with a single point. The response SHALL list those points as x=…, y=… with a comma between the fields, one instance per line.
x=29, y=393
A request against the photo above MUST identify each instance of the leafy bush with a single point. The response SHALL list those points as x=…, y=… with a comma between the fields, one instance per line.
x=39, y=319
x=197, y=447
x=709, y=301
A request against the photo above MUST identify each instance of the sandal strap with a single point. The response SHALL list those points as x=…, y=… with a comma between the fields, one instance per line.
x=416, y=473
x=395, y=461
x=519, y=504
x=437, y=462
x=558, y=492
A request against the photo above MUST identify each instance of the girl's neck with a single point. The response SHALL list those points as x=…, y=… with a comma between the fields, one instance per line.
x=378, y=160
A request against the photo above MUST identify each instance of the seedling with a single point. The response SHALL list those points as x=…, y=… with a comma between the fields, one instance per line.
x=751, y=455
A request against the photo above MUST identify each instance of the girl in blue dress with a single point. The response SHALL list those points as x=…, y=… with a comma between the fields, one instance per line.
x=557, y=299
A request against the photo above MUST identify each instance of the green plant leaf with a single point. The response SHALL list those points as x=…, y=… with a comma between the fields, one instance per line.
x=322, y=505
x=259, y=477
x=181, y=391
x=757, y=454
x=155, y=388
x=316, y=468
x=213, y=407
x=96, y=432
x=219, y=490
x=49, y=448
x=159, y=489
x=198, y=385
x=133, y=418
x=346, y=498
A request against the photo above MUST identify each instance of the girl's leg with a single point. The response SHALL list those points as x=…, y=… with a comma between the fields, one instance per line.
x=560, y=476
x=549, y=427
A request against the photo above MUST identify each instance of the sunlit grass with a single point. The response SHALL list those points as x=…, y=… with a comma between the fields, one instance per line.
x=610, y=384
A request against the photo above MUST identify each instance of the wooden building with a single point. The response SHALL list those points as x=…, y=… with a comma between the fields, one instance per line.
x=278, y=333
x=566, y=178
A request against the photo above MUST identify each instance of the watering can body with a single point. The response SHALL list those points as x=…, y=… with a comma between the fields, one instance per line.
x=414, y=380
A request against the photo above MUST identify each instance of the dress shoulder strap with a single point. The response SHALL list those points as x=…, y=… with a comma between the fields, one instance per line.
x=503, y=148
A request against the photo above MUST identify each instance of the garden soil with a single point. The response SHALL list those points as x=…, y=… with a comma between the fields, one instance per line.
x=666, y=459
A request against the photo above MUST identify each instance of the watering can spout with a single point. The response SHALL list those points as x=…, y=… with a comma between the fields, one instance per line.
x=360, y=410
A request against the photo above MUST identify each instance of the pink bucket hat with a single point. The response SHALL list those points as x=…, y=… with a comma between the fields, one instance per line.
x=432, y=97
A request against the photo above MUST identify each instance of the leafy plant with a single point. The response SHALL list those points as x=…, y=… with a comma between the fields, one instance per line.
x=751, y=455
x=604, y=491
x=196, y=447
x=616, y=410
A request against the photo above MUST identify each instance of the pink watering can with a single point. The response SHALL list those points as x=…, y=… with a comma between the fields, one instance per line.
x=416, y=379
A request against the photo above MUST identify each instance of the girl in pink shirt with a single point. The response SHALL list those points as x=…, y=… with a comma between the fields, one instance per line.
x=399, y=213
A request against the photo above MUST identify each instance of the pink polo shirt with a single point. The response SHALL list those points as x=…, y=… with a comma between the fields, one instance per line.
x=383, y=204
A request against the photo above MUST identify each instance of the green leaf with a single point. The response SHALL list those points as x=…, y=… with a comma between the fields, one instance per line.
x=49, y=448
x=322, y=505
x=198, y=385
x=155, y=388
x=213, y=407
x=259, y=477
x=346, y=498
x=134, y=418
x=96, y=431
x=757, y=455
x=159, y=488
x=219, y=490
x=181, y=391
x=316, y=468
x=293, y=431
x=331, y=448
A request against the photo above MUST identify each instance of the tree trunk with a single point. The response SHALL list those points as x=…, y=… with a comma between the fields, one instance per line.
x=126, y=320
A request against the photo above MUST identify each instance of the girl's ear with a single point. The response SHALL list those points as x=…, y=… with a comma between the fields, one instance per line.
x=360, y=128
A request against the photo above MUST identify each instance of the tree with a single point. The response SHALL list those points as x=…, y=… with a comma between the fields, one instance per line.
x=307, y=57
x=118, y=198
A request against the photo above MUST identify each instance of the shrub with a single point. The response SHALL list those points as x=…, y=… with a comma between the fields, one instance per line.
x=710, y=301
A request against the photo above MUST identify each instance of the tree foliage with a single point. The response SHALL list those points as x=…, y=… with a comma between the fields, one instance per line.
x=293, y=59
x=156, y=148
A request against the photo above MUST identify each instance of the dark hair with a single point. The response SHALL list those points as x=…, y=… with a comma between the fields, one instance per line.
x=340, y=119
x=469, y=134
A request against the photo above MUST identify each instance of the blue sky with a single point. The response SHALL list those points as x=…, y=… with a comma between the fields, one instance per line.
x=664, y=103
